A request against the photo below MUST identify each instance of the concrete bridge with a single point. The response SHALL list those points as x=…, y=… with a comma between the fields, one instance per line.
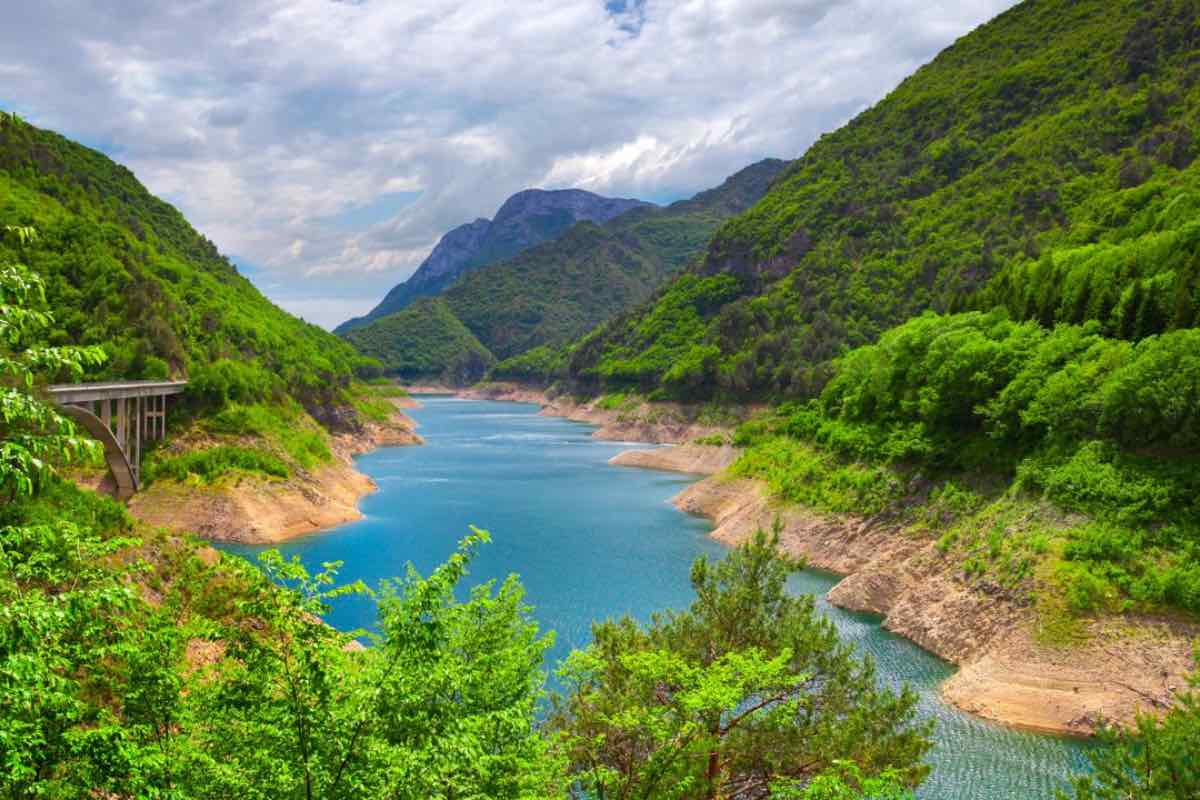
x=121, y=416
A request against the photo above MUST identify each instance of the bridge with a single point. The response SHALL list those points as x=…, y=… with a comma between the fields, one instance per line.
x=121, y=416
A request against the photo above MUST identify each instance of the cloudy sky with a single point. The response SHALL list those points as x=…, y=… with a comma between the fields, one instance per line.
x=325, y=145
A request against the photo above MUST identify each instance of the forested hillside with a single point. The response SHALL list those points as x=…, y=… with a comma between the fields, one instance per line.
x=976, y=304
x=423, y=341
x=558, y=290
x=1043, y=163
x=125, y=271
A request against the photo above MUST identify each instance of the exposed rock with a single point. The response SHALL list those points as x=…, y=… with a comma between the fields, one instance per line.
x=1123, y=666
x=652, y=423
x=696, y=459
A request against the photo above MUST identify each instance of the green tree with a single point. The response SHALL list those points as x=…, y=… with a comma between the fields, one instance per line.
x=63, y=615
x=746, y=689
x=1158, y=759
x=441, y=706
x=32, y=435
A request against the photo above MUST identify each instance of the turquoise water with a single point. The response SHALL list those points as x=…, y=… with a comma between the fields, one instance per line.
x=591, y=540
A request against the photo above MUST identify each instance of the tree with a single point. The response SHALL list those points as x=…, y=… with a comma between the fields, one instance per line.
x=99, y=695
x=746, y=690
x=33, y=436
x=1158, y=759
x=441, y=706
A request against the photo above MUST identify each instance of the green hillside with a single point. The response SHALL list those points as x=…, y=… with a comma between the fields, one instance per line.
x=1039, y=163
x=124, y=271
x=425, y=341
x=558, y=290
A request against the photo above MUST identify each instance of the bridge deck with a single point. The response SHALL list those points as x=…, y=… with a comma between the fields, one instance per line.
x=115, y=390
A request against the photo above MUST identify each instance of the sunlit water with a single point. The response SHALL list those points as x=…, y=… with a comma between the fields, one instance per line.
x=591, y=540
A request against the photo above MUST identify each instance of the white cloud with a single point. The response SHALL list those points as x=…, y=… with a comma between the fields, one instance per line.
x=265, y=119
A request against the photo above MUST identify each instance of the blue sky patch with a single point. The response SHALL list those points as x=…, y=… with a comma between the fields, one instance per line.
x=629, y=14
x=379, y=210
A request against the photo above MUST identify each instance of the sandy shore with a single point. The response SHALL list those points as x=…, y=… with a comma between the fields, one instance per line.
x=256, y=511
x=1126, y=664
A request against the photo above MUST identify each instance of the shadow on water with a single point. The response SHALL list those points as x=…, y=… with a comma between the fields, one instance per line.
x=591, y=541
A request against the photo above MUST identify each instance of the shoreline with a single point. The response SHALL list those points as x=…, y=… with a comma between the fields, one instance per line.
x=1126, y=665
x=255, y=511
x=664, y=423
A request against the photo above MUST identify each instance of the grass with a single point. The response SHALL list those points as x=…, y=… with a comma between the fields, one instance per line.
x=798, y=473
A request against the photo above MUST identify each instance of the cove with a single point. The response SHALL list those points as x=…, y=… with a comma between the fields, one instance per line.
x=590, y=540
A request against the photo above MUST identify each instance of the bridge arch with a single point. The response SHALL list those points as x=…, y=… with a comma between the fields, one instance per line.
x=118, y=463
x=121, y=416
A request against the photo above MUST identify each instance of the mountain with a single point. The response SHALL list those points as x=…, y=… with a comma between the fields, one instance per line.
x=424, y=340
x=1005, y=171
x=526, y=219
x=556, y=291
x=125, y=270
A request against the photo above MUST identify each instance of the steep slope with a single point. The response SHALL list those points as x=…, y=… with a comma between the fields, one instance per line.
x=449, y=258
x=126, y=271
x=524, y=220
x=562, y=288
x=983, y=163
x=425, y=341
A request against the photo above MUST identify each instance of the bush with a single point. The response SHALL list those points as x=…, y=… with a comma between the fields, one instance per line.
x=224, y=381
x=207, y=466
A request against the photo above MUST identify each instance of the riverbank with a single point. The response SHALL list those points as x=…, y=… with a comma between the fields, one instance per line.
x=629, y=420
x=251, y=510
x=1119, y=666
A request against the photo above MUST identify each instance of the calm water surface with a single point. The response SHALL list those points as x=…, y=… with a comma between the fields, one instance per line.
x=591, y=541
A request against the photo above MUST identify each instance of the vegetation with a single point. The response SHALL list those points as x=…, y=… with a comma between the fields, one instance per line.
x=1043, y=162
x=137, y=664
x=32, y=435
x=976, y=304
x=206, y=466
x=526, y=219
x=1099, y=426
x=131, y=281
x=125, y=272
x=425, y=341
x=547, y=295
x=744, y=694
x=1154, y=761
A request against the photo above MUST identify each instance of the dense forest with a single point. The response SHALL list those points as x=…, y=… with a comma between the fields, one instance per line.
x=551, y=293
x=425, y=340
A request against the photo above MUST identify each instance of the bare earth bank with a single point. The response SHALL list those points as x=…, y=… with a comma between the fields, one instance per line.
x=254, y=511
x=1125, y=665
x=657, y=423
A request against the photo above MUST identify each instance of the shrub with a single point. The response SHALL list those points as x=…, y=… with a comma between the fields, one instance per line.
x=208, y=466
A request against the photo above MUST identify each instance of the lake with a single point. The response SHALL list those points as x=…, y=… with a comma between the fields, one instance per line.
x=591, y=540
